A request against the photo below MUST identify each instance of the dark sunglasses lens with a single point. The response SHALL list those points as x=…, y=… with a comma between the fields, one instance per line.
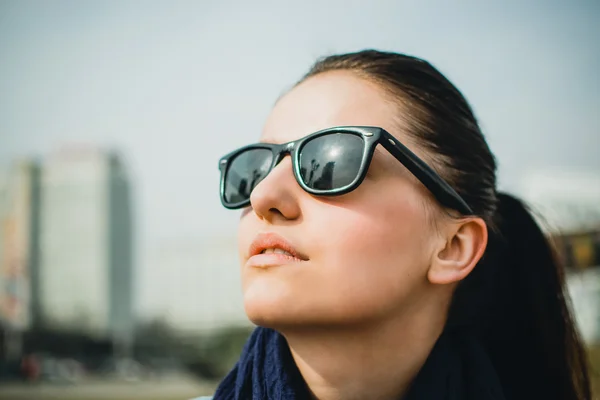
x=244, y=172
x=331, y=161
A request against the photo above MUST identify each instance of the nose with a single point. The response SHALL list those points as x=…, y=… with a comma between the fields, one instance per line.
x=275, y=198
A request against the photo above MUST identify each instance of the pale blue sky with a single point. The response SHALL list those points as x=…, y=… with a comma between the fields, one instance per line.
x=176, y=84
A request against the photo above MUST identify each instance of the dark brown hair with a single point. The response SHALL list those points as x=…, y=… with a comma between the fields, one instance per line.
x=515, y=299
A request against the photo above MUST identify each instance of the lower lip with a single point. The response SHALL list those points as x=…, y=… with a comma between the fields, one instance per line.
x=271, y=260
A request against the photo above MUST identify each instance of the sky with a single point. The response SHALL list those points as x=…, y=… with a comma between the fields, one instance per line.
x=174, y=85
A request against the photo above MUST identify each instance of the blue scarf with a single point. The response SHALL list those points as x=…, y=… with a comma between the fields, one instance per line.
x=457, y=369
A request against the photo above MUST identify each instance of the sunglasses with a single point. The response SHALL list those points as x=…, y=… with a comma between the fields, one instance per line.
x=329, y=162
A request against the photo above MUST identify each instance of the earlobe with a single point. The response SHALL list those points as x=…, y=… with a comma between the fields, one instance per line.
x=463, y=248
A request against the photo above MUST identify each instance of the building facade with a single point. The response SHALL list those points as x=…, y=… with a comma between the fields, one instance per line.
x=567, y=200
x=567, y=203
x=19, y=234
x=19, y=244
x=86, y=245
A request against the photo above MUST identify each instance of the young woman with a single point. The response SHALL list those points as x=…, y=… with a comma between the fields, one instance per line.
x=377, y=256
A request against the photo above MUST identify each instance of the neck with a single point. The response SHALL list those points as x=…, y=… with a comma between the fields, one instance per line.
x=376, y=362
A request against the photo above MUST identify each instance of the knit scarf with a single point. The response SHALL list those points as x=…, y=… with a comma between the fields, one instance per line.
x=456, y=369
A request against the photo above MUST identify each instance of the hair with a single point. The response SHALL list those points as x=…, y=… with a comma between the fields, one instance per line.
x=515, y=299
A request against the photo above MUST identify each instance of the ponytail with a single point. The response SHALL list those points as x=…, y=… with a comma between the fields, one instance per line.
x=516, y=302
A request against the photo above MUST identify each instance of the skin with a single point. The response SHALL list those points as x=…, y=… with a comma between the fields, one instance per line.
x=363, y=312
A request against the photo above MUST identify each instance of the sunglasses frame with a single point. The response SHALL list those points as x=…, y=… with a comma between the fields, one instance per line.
x=371, y=136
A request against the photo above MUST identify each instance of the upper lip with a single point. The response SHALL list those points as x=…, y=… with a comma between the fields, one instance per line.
x=272, y=240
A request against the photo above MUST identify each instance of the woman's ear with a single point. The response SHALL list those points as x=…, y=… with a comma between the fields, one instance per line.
x=462, y=247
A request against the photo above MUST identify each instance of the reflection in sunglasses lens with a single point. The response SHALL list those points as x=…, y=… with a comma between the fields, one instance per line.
x=331, y=161
x=245, y=171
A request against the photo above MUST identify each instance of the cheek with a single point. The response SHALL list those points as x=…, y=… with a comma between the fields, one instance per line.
x=381, y=243
x=374, y=258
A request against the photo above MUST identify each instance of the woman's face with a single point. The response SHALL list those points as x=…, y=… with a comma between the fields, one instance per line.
x=361, y=257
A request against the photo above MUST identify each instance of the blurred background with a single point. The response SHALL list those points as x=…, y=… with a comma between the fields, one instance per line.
x=118, y=265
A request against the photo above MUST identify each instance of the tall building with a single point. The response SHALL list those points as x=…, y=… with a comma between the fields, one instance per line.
x=86, y=254
x=19, y=229
x=19, y=234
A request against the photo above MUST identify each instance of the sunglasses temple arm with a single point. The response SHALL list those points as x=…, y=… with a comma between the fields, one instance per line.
x=424, y=173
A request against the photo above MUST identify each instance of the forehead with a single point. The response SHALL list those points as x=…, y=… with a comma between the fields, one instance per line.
x=330, y=99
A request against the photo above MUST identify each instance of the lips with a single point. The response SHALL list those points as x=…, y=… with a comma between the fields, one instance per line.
x=270, y=249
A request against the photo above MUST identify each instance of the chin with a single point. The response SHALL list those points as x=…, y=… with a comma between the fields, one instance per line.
x=277, y=314
x=286, y=323
x=267, y=300
x=267, y=311
x=277, y=304
x=291, y=316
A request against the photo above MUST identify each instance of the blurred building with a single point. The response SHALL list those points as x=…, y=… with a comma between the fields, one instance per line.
x=19, y=234
x=580, y=250
x=568, y=200
x=581, y=253
x=568, y=206
x=584, y=290
x=85, y=270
